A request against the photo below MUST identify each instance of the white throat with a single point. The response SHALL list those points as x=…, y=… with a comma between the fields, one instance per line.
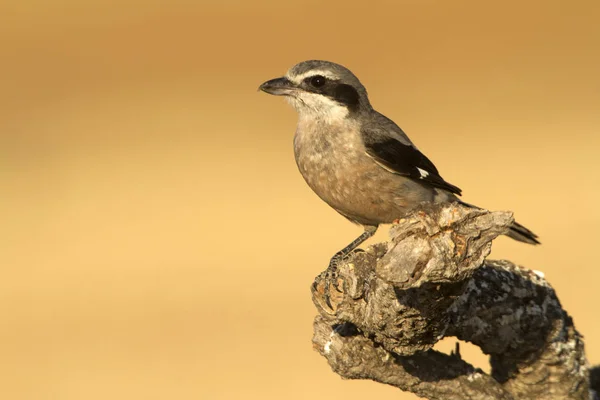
x=316, y=106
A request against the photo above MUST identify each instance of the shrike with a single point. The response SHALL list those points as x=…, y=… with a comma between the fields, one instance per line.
x=356, y=159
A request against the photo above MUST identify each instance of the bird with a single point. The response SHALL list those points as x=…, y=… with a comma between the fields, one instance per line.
x=357, y=160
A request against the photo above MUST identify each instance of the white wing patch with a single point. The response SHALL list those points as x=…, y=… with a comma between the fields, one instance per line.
x=424, y=174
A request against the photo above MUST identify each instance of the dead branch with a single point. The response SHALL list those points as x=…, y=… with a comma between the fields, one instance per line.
x=397, y=299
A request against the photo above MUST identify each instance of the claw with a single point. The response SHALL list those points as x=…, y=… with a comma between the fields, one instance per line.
x=331, y=274
x=331, y=278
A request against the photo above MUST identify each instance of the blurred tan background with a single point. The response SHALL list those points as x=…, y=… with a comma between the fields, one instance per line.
x=157, y=241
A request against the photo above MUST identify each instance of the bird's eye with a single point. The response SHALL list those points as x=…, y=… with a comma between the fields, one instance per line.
x=317, y=81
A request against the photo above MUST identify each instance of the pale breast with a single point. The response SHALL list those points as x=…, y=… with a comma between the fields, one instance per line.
x=333, y=161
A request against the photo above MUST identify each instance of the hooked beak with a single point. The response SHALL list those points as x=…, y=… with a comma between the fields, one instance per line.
x=278, y=87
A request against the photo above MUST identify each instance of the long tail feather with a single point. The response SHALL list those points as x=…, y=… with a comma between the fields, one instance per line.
x=522, y=234
x=517, y=231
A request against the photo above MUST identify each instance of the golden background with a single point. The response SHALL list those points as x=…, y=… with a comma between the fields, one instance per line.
x=156, y=238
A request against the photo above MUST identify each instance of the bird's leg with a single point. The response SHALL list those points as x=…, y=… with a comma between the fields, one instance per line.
x=332, y=269
x=339, y=256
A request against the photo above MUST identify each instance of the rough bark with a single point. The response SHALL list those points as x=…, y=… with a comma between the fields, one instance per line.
x=396, y=300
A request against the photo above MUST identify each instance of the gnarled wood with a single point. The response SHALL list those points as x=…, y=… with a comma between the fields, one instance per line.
x=431, y=280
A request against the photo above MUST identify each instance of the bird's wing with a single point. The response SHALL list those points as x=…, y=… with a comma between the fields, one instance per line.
x=389, y=146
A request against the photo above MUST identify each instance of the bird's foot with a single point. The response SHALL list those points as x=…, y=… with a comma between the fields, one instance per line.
x=331, y=279
x=332, y=274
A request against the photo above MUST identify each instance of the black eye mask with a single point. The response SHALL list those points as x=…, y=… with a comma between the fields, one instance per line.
x=334, y=89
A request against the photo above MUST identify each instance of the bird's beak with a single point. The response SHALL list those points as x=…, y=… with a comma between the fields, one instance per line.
x=279, y=86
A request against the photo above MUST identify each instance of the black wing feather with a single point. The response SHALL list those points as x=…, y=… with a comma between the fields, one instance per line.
x=403, y=159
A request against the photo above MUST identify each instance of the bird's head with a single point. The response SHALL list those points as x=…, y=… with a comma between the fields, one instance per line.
x=321, y=90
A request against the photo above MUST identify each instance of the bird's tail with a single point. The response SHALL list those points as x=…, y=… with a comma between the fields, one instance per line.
x=522, y=234
x=517, y=231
